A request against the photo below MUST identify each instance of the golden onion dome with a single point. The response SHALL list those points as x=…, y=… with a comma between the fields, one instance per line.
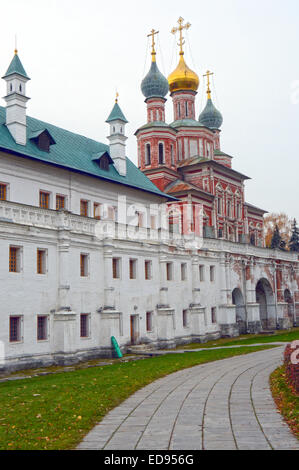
x=183, y=78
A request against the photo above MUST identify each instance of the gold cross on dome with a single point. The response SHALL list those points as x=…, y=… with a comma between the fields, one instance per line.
x=208, y=74
x=180, y=28
x=152, y=34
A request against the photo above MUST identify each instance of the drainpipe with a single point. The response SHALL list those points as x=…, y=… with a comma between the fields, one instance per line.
x=275, y=292
x=245, y=293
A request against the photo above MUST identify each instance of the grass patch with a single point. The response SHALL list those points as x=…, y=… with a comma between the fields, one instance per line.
x=286, y=399
x=56, y=411
x=280, y=335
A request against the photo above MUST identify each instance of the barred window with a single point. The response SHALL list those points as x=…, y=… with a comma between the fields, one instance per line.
x=60, y=202
x=14, y=259
x=83, y=265
x=116, y=268
x=14, y=329
x=42, y=327
x=84, y=208
x=44, y=200
x=3, y=192
x=84, y=325
x=41, y=261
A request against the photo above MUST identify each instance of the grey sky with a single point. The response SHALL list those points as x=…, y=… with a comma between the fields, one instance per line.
x=78, y=52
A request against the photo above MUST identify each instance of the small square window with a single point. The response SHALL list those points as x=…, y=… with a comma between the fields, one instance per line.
x=149, y=321
x=15, y=329
x=14, y=259
x=116, y=268
x=60, y=202
x=41, y=261
x=44, y=200
x=84, y=208
x=133, y=268
x=84, y=325
x=83, y=265
x=148, y=270
x=42, y=328
x=183, y=271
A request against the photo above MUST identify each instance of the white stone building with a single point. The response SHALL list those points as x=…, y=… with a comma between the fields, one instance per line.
x=86, y=255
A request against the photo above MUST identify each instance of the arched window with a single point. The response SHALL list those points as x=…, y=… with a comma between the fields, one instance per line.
x=172, y=154
x=186, y=108
x=113, y=129
x=10, y=87
x=20, y=88
x=219, y=205
x=121, y=130
x=179, y=110
x=147, y=154
x=161, y=153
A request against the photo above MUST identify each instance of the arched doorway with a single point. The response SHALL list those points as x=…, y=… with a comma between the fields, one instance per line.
x=265, y=297
x=288, y=298
x=238, y=300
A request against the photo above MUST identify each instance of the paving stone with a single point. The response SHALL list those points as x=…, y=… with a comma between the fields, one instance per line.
x=227, y=404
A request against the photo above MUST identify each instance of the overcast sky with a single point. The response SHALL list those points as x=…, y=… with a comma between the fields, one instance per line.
x=78, y=52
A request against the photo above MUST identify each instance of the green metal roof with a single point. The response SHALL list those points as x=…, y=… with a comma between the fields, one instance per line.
x=16, y=67
x=74, y=152
x=186, y=123
x=116, y=113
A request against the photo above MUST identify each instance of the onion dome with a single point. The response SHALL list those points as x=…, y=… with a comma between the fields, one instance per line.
x=154, y=83
x=183, y=78
x=210, y=116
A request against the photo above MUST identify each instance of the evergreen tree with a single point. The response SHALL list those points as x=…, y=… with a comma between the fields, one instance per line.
x=276, y=238
x=294, y=240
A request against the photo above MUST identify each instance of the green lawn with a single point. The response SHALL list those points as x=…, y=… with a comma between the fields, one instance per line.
x=56, y=411
x=280, y=335
x=287, y=400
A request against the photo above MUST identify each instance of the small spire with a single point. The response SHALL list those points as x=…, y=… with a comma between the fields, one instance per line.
x=116, y=97
x=208, y=74
x=16, y=47
x=180, y=29
x=152, y=34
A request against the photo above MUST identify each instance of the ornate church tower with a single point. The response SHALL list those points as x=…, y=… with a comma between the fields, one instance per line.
x=156, y=139
x=183, y=82
x=16, y=99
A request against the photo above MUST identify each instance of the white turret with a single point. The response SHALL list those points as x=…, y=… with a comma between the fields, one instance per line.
x=117, y=138
x=16, y=99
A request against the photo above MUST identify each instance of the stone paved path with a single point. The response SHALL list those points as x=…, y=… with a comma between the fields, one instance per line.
x=220, y=405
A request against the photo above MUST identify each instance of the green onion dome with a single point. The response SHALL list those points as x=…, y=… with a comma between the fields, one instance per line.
x=210, y=116
x=154, y=83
